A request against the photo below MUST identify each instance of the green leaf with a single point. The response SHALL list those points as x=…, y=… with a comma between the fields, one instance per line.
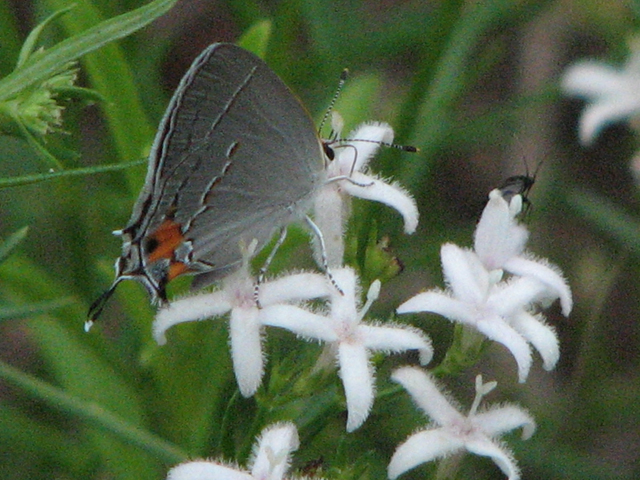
x=31, y=310
x=37, y=146
x=9, y=37
x=256, y=38
x=21, y=435
x=111, y=75
x=465, y=351
x=607, y=217
x=46, y=64
x=92, y=412
x=31, y=41
x=12, y=242
x=85, y=368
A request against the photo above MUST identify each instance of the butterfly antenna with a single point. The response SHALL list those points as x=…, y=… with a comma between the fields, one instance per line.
x=404, y=148
x=535, y=172
x=341, y=82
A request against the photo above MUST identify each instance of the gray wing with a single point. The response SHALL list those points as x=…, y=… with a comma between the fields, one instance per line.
x=235, y=157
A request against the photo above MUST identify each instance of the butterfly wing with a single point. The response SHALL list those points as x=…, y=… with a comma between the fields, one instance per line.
x=236, y=156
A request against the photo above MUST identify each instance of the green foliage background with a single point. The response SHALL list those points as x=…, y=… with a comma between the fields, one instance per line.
x=474, y=85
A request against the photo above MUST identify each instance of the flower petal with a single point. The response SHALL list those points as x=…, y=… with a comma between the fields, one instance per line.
x=541, y=336
x=499, y=454
x=246, y=349
x=498, y=330
x=465, y=274
x=598, y=115
x=440, y=303
x=201, y=470
x=195, y=308
x=371, y=188
x=344, y=305
x=397, y=338
x=357, y=377
x=355, y=159
x=298, y=321
x=427, y=396
x=512, y=297
x=503, y=419
x=498, y=236
x=272, y=456
x=292, y=288
x=612, y=93
x=420, y=448
x=592, y=80
x=547, y=274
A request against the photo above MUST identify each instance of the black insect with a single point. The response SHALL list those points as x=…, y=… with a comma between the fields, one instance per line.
x=519, y=185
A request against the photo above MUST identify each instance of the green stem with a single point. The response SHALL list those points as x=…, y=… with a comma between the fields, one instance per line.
x=41, y=177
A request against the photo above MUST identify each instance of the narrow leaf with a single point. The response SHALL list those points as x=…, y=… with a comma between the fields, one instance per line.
x=44, y=65
x=93, y=413
x=12, y=242
x=31, y=41
x=13, y=313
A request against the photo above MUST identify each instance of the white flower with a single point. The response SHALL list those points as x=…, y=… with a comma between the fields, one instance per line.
x=499, y=242
x=237, y=296
x=270, y=461
x=613, y=93
x=351, y=339
x=476, y=432
x=345, y=176
x=499, y=310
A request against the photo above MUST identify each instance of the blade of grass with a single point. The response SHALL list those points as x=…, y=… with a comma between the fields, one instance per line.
x=30, y=44
x=256, y=38
x=607, y=217
x=92, y=412
x=12, y=242
x=21, y=435
x=14, y=313
x=9, y=38
x=111, y=75
x=44, y=65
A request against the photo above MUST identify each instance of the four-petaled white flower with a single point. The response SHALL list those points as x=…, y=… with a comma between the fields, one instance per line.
x=499, y=242
x=498, y=309
x=238, y=296
x=613, y=93
x=476, y=432
x=345, y=176
x=351, y=339
x=271, y=459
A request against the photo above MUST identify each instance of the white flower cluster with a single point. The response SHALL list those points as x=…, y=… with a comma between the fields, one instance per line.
x=502, y=309
x=479, y=295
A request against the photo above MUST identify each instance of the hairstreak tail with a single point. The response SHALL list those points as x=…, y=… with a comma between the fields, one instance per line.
x=236, y=157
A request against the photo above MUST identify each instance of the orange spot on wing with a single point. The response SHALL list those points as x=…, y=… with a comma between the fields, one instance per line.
x=175, y=269
x=165, y=239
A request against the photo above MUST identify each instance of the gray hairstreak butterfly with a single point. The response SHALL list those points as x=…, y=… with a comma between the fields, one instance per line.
x=235, y=158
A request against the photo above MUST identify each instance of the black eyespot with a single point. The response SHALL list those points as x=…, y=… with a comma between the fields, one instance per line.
x=150, y=245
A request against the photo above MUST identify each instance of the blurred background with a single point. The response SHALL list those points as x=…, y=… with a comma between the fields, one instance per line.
x=473, y=85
